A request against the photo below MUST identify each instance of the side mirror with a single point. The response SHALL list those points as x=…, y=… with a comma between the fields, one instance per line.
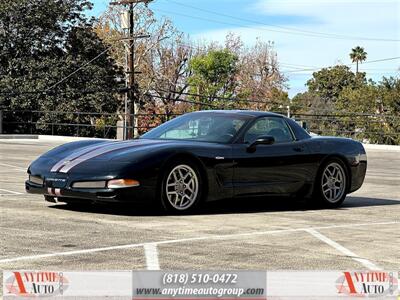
x=262, y=140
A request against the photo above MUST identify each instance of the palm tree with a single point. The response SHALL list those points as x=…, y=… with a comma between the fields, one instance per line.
x=358, y=55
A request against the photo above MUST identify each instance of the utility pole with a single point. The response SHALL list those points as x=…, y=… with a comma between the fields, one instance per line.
x=131, y=74
x=1, y=121
x=130, y=108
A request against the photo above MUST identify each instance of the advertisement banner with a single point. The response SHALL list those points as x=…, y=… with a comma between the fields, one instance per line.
x=157, y=285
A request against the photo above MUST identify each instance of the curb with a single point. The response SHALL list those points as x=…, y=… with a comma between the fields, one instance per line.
x=49, y=138
x=58, y=138
x=381, y=147
x=18, y=137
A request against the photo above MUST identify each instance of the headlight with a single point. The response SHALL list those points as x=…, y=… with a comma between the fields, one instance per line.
x=89, y=184
x=36, y=179
x=122, y=183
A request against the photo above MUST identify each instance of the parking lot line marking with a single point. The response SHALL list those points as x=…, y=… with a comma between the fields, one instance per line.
x=193, y=239
x=68, y=253
x=10, y=192
x=151, y=254
x=365, y=262
x=14, y=167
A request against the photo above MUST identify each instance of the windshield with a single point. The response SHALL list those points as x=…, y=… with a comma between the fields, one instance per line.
x=205, y=127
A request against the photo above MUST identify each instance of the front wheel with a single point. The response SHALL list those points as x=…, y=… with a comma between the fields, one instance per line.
x=181, y=187
x=331, y=184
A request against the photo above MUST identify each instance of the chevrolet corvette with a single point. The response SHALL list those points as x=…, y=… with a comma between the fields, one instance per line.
x=203, y=156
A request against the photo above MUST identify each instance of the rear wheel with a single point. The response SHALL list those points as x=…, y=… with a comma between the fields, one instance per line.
x=331, y=184
x=181, y=187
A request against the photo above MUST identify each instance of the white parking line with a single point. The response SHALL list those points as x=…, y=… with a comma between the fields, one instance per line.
x=151, y=254
x=193, y=239
x=9, y=192
x=14, y=167
x=365, y=262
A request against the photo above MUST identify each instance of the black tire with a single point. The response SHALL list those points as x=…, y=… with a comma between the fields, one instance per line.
x=188, y=194
x=331, y=184
x=50, y=199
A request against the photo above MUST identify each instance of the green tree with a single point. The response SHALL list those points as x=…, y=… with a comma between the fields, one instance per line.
x=308, y=107
x=389, y=105
x=329, y=82
x=213, y=75
x=361, y=103
x=318, y=106
x=42, y=42
x=358, y=55
x=376, y=115
x=389, y=89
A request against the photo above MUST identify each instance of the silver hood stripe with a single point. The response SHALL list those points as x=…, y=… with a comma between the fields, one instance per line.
x=101, y=151
x=74, y=156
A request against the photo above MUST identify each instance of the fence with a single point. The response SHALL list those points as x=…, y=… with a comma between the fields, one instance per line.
x=85, y=124
x=376, y=128
x=373, y=128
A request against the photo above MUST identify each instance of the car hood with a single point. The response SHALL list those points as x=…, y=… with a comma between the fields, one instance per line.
x=99, y=155
x=101, y=152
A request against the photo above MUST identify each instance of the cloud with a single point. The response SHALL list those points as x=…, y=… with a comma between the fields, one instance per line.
x=355, y=18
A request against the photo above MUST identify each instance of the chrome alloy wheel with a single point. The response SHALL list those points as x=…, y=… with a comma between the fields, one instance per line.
x=333, y=182
x=182, y=187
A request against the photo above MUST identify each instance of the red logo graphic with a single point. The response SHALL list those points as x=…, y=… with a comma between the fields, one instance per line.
x=36, y=284
x=367, y=284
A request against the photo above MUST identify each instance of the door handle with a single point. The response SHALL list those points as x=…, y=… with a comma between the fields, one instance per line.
x=298, y=149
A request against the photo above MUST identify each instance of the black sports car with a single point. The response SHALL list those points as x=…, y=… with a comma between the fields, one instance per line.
x=203, y=156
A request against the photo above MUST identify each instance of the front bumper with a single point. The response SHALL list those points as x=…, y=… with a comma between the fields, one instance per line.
x=128, y=195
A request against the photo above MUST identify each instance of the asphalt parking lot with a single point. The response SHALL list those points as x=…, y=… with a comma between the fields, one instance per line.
x=252, y=234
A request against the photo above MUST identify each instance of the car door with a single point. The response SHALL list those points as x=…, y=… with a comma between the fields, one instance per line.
x=279, y=168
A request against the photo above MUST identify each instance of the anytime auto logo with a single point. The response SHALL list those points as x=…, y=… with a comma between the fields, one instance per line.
x=35, y=284
x=368, y=284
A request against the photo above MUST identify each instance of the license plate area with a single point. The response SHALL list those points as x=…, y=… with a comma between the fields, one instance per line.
x=56, y=181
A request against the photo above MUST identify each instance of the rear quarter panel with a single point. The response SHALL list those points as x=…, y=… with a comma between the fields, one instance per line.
x=350, y=151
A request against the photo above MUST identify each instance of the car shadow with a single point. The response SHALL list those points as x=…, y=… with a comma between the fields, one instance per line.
x=232, y=206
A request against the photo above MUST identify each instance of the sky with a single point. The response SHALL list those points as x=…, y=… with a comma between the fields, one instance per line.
x=307, y=34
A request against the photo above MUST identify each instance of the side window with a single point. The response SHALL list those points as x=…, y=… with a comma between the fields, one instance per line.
x=272, y=126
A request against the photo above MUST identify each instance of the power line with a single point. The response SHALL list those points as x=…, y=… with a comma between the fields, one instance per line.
x=292, y=31
x=330, y=35
x=299, y=67
x=379, y=60
x=237, y=100
x=287, y=64
x=51, y=93
x=222, y=22
x=294, y=66
x=348, y=65
x=218, y=97
x=13, y=94
x=77, y=70
x=183, y=100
